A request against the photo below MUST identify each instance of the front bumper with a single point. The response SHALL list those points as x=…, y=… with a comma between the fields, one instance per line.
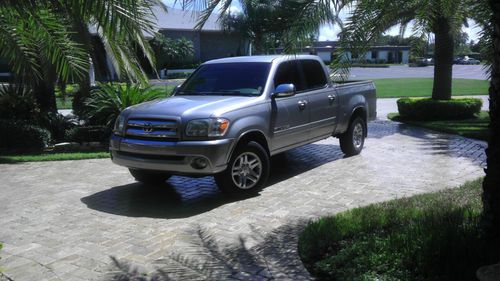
x=174, y=157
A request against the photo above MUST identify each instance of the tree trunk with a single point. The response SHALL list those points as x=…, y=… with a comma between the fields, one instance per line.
x=258, y=42
x=443, y=59
x=83, y=37
x=44, y=91
x=491, y=183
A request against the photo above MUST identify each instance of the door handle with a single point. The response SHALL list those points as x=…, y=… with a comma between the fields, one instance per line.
x=302, y=104
x=331, y=98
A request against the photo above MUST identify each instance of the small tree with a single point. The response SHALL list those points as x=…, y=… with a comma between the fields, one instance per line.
x=172, y=52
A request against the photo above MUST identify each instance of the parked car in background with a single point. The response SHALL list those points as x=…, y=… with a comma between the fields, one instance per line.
x=466, y=60
x=231, y=115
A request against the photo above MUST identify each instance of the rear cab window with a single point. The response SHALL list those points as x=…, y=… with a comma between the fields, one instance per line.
x=314, y=74
x=306, y=75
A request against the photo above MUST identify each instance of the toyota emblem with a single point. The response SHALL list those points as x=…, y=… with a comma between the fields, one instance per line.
x=148, y=127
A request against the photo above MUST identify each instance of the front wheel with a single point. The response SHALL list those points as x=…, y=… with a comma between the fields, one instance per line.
x=247, y=171
x=352, y=141
x=149, y=177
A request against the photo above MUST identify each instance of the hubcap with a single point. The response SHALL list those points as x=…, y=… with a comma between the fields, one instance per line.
x=357, y=135
x=246, y=170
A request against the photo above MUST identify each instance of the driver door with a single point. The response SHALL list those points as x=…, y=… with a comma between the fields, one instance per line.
x=290, y=115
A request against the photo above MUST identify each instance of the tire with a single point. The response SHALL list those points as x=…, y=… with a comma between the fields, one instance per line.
x=352, y=141
x=247, y=171
x=149, y=177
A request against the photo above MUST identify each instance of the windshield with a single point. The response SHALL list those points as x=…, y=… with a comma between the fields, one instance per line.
x=238, y=79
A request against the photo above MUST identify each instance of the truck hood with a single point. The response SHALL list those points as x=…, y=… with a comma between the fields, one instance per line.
x=191, y=106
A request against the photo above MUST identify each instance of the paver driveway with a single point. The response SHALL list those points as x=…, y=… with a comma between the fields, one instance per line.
x=64, y=220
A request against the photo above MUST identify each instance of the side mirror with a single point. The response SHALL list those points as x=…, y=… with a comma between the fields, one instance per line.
x=284, y=90
x=175, y=90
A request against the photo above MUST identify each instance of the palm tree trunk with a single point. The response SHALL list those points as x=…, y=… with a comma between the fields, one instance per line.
x=83, y=37
x=44, y=91
x=491, y=183
x=443, y=59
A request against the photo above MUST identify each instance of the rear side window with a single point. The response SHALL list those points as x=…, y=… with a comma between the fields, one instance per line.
x=288, y=73
x=314, y=74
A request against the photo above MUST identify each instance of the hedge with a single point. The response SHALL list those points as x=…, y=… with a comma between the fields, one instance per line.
x=88, y=134
x=430, y=109
x=20, y=136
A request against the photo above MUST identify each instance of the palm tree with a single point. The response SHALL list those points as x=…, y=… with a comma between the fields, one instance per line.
x=491, y=183
x=444, y=18
x=292, y=20
x=258, y=20
x=49, y=40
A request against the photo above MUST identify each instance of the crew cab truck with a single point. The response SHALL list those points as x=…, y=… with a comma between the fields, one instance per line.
x=231, y=115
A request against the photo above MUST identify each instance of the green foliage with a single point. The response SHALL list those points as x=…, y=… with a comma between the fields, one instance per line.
x=88, y=134
x=430, y=109
x=108, y=100
x=20, y=136
x=172, y=52
x=17, y=103
x=476, y=128
x=426, y=237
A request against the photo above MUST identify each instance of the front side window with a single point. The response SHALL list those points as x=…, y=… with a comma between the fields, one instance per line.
x=289, y=73
x=238, y=79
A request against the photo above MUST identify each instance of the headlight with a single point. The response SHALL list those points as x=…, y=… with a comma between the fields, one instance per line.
x=119, y=125
x=211, y=127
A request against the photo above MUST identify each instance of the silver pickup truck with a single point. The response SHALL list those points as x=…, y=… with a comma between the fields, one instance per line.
x=231, y=115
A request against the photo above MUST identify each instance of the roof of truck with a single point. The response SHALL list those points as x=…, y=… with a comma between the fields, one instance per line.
x=267, y=59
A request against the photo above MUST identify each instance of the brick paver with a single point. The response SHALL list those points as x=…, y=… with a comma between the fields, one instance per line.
x=65, y=220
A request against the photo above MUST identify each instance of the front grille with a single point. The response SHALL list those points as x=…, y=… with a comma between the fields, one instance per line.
x=152, y=129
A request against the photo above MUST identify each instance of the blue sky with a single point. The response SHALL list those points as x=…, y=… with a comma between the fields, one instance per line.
x=329, y=32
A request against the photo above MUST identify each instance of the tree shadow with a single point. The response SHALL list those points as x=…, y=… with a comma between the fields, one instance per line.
x=274, y=256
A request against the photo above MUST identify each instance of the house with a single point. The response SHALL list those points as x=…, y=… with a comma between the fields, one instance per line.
x=376, y=54
x=211, y=42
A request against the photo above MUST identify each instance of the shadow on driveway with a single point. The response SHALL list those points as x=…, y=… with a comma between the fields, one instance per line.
x=182, y=197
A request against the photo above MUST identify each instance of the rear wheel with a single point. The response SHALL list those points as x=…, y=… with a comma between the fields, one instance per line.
x=247, y=171
x=149, y=177
x=352, y=141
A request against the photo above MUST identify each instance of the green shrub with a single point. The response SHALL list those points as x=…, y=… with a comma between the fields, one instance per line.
x=17, y=103
x=20, y=136
x=88, y=134
x=108, y=100
x=430, y=109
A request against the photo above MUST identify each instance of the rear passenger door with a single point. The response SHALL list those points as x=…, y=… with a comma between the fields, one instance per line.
x=323, y=102
x=290, y=115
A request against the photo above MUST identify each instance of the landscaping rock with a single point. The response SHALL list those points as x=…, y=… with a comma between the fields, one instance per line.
x=489, y=273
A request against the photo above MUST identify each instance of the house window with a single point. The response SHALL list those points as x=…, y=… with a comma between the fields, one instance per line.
x=374, y=54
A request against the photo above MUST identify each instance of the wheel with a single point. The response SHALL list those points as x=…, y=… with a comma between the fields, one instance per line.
x=352, y=141
x=247, y=171
x=149, y=177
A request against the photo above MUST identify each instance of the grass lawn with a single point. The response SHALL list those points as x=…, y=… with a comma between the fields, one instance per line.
x=53, y=156
x=433, y=236
x=422, y=87
x=476, y=128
